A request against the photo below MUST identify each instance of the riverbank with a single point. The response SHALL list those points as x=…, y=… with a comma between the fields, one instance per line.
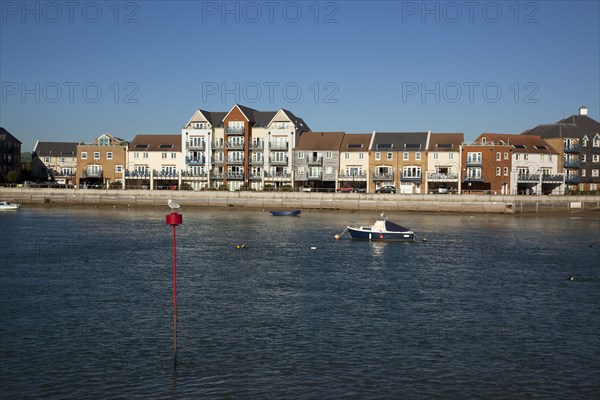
x=465, y=203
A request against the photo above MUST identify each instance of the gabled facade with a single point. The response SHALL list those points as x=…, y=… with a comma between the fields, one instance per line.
x=240, y=148
x=10, y=155
x=354, y=161
x=398, y=159
x=317, y=159
x=444, y=162
x=153, y=162
x=486, y=166
x=101, y=162
x=54, y=162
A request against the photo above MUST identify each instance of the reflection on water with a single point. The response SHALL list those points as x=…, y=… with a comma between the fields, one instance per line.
x=484, y=308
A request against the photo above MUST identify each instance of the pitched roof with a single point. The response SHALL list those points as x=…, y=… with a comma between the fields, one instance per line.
x=4, y=135
x=399, y=141
x=55, y=149
x=356, y=142
x=558, y=130
x=445, y=141
x=588, y=125
x=156, y=143
x=299, y=122
x=520, y=143
x=320, y=141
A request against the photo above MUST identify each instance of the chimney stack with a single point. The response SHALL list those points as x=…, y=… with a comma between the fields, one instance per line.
x=583, y=110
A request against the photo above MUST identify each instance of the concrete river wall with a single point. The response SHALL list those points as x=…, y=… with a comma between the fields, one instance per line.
x=465, y=203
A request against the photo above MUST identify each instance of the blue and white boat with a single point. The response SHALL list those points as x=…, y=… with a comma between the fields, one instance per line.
x=291, y=213
x=382, y=230
x=8, y=206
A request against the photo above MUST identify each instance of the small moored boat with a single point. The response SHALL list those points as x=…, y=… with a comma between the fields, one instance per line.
x=382, y=229
x=290, y=213
x=8, y=206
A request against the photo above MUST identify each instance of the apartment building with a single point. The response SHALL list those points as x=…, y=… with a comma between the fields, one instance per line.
x=444, y=162
x=101, y=162
x=154, y=162
x=10, y=155
x=54, y=162
x=354, y=161
x=317, y=160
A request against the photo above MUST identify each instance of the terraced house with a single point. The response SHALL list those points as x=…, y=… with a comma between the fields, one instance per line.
x=317, y=159
x=54, y=162
x=398, y=159
x=101, y=162
x=242, y=148
x=354, y=161
x=154, y=162
x=443, y=162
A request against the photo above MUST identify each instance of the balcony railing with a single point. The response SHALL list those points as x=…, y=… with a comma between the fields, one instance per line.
x=278, y=146
x=234, y=145
x=195, y=161
x=314, y=177
x=439, y=177
x=474, y=161
x=352, y=177
x=217, y=175
x=473, y=178
x=235, y=130
x=235, y=160
x=234, y=175
x=92, y=174
x=137, y=174
x=254, y=177
x=410, y=178
x=166, y=174
x=528, y=178
x=188, y=174
x=314, y=160
x=278, y=161
x=572, y=163
x=257, y=162
x=383, y=177
x=257, y=146
x=553, y=178
x=277, y=176
x=572, y=179
x=218, y=160
x=572, y=148
x=201, y=146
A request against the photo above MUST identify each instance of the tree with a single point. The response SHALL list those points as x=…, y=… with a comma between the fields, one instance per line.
x=12, y=176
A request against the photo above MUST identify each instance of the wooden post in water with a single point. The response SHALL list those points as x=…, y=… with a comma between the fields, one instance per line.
x=174, y=219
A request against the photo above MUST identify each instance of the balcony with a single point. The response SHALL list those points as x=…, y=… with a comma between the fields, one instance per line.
x=278, y=146
x=257, y=146
x=92, y=174
x=314, y=160
x=217, y=175
x=257, y=162
x=278, y=161
x=438, y=177
x=314, y=177
x=352, y=177
x=234, y=130
x=557, y=178
x=195, y=161
x=166, y=174
x=278, y=176
x=572, y=179
x=572, y=163
x=218, y=145
x=410, y=178
x=234, y=145
x=474, y=161
x=218, y=160
x=234, y=175
x=383, y=177
x=531, y=178
x=572, y=148
x=235, y=160
x=473, y=178
x=197, y=147
x=255, y=177
x=135, y=174
x=188, y=174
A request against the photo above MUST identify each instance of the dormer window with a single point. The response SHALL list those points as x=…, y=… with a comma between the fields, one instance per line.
x=104, y=141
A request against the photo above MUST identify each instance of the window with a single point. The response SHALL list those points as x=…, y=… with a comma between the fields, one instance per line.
x=84, y=155
x=145, y=155
x=451, y=156
x=104, y=141
x=474, y=173
x=136, y=155
x=300, y=155
x=418, y=155
x=328, y=154
x=96, y=155
x=506, y=156
x=595, y=173
x=498, y=156
x=473, y=158
x=329, y=170
x=505, y=171
x=498, y=170
x=583, y=158
x=46, y=159
x=164, y=155
x=436, y=156
x=377, y=155
x=525, y=156
x=361, y=156
x=517, y=156
x=593, y=186
x=118, y=169
x=346, y=156
x=595, y=158
x=583, y=172
x=173, y=155
x=109, y=155
x=585, y=141
x=596, y=142
x=390, y=156
x=411, y=172
x=405, y=156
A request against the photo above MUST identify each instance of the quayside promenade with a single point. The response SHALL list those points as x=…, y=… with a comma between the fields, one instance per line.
x=464, y=203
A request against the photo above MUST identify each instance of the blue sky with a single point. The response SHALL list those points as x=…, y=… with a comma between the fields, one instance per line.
x=73, y=70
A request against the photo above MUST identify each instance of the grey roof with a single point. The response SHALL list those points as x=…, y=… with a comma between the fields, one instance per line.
x=399, y=141
x=55, y=149
x=214, y=117
x=299, y=122
x=557, y=130
x=4, y=135
x=588, y=125
x=262, y=118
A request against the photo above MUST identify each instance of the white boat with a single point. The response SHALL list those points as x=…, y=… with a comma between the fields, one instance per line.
x=8, y=206
x=382, y=229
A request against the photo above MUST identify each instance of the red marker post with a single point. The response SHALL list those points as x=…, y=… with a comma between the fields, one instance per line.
x=174, y=219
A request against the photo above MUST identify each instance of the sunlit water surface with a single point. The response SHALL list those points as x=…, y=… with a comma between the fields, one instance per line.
x=483, y=309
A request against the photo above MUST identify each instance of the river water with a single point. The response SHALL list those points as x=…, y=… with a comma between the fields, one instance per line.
x=482, y=309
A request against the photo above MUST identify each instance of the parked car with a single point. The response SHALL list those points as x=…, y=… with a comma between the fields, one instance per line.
x=386, y=189
x=307, y=189
x=346, y=189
